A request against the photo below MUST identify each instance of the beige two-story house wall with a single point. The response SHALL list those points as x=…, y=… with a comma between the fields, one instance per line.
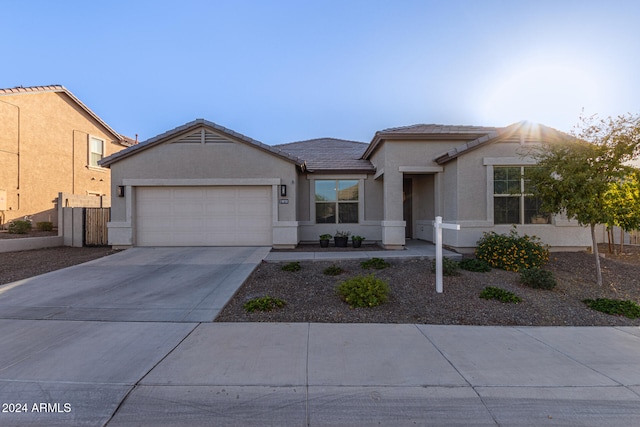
x=50, y=142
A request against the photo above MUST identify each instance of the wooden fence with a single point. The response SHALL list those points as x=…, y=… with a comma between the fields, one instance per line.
x=95, y=226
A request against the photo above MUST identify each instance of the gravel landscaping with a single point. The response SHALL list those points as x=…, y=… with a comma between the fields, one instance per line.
x=310, y=295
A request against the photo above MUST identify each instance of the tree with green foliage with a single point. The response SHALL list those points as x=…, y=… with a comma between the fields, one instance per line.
x=622, y=200
x=575, y=176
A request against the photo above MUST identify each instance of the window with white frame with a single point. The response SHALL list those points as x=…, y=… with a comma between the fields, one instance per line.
x=513, y=202
x=96, y=151
x=337, y=201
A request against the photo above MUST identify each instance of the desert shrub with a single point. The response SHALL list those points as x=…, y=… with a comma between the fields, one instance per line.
x=512, y=252
x=333, y=270
x=44, y=226
x=475, y=264
x=491, y=292
x=265, y=303
x=19, y=226
x=377, y=263
x=449, y=267
x=625, y=308
x=537, y=278
x=292, y=266
x=363, y=291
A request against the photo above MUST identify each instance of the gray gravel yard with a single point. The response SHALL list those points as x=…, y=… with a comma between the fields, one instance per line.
x=310, y=295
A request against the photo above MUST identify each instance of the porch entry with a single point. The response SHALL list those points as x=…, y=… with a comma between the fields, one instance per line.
x=407, y=214
x=418, y=205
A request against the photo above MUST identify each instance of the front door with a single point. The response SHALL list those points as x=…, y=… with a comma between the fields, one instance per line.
x=407, y=207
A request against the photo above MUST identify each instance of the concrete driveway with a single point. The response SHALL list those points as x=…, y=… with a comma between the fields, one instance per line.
x=139, y=284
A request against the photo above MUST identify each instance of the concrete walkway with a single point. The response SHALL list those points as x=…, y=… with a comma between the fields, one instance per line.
x=188, y=371
x=414, y=249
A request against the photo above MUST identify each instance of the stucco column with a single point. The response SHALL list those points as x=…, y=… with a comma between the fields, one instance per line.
x=393, y=225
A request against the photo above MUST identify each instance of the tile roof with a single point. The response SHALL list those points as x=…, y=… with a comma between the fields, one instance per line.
x=61, y=89
x=330, y=155
x=438, y=129
x=107, y=161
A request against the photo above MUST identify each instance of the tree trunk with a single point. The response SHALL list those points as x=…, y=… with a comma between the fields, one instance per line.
x=597, y=255
x=621, y=241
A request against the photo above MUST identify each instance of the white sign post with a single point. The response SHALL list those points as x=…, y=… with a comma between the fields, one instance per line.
x=438, y=225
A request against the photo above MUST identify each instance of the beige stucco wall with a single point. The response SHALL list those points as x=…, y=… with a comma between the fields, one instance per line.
x=232, y=163
x=44, y=150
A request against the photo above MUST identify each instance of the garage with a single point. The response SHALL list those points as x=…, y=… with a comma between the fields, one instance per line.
x=204, y=216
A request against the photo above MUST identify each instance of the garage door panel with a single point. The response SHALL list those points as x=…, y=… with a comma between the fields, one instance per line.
x=203, y=216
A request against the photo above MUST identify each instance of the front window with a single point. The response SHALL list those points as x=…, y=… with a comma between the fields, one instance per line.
x=96, y=151
x=336, y=201
x=512, y=199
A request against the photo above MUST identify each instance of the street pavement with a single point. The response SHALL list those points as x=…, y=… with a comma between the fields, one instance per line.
x=104, y=365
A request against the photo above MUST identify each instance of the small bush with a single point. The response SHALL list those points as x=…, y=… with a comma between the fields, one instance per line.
x=449, y=267
x=491, y=292
x=625, y=308
x=377, y=263
x=265, y=303
x=44, y=226
x=333, y=270
x=475, y=264
x=292, y=266
x=19, y=226
x=537, y=278
x=363, y=291
x=512, y=252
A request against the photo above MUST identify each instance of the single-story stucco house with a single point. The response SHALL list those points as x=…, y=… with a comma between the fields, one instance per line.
x=201, y=184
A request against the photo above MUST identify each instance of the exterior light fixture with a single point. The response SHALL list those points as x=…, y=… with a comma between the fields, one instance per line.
x=120, y=190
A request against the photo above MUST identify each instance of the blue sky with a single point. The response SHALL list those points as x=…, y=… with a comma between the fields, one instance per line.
x=283, y=71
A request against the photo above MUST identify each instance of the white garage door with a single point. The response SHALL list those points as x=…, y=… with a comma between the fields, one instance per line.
x=203, y=216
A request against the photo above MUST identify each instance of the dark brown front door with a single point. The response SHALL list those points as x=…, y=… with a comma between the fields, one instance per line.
x=407, y=207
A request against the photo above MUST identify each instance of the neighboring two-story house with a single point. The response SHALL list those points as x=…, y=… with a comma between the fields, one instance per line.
x=50, y=142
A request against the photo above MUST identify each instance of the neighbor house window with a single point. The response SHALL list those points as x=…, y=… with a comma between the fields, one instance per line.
x=336, y=201
x=96, y=151
x=512, y=199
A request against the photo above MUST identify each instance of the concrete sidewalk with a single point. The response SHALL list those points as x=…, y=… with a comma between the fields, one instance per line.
x=248, y=374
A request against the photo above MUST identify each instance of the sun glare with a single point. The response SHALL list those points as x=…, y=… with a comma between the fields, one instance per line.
x=550, y=94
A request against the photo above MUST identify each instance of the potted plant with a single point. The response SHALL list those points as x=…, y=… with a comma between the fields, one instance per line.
x=356, y=241
x=324, y=240
x=341, y=238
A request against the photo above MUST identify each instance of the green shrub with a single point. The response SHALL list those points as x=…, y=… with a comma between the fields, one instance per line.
x=512, y=252
x=44, y=226
x=265, y=303
x=19, y=226
x=449, y=267
x=537, y=278
x=475, y=264
x=625, y=308
x=292, y=266
x=363, y=291
x=333, y=270
x=491, y=292
x=377, y=263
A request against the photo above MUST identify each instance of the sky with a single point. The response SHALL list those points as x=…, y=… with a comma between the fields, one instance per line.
x=285, y=71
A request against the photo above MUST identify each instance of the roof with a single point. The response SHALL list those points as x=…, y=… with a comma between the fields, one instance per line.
x=330, y=155
x=428, y=131
x=524, y=131
x=186, y=128
x=61, y=89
